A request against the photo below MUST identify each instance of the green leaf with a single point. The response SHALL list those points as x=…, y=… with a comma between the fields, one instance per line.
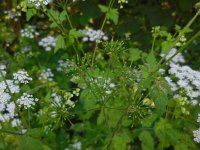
x=113, y=15
x=30, y=13
x=167, y=135
x=60, y=43
x=104, y=9
x=74, y=34
x=151, y=62
x=147, y=140
x=29, y=143
x=160, y=99
x=120, y=141
x=62, y=16
x=149, y=120
x=35, y=132
x=134, y=54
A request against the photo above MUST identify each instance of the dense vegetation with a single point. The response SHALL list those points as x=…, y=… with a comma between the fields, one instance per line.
x=99, y=74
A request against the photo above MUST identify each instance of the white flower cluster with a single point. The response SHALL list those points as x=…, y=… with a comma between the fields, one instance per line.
x=48, y=43
x=93, y=35
x=7, y=89
x=58, y=99
x=196, y=135
x=198, y=119
x=26, y=101
x=66, y=66
x=46, y=75
x=39, y=3
x=12, y=14
x=188, y=80
x=121, y=2
x=3, y=69
x=7, y=108
x=21, y=77
x=29, y=32
x=77, y=146
x=26, y=48
x=104, y=84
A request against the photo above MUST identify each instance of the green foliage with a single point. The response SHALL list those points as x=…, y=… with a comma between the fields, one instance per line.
x=101, y=89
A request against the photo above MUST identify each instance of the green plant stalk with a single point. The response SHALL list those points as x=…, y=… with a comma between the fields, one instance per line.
x=61, y=28
x=10, y=132
x=101, y=29
x=3, y=140
x=153, y=44
x=29, y=120
x=183, y=32
x=182, y=48
x=54, y=20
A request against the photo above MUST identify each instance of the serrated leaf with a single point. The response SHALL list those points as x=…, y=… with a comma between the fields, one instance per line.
x=120, y=141
x=134, y=54
x=147, y=140
x=160, y=99
x=113, y=15
x=104, y=9
x=151, y=62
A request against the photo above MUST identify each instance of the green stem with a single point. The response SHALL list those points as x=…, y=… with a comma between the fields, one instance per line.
x=182, y=48
x=10, y=132
x=153, y=43
x=29, y=120
x=101, y=29
x=182, y=32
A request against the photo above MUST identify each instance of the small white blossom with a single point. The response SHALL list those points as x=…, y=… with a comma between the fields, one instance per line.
x=15, y=122
x=29, y=32
x=198, y=119
x=26, y=101
x=66, y=66
x=77, y=146
x=48, y=43
x=93, y=35
x=196, y=135
x=39, y=3
x=46, y=75
x=21, y=77
x=12, y=14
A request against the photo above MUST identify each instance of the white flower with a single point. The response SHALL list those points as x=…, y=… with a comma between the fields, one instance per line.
x=26, y=100
x=198, y=119
x=93, y=35
x=77, y=146
x=12, y=14
x=21, y=77
x=194, y=102
x=188, y=79
x=12, y=87
x=46, y=75
x=48, y=43
x=196, y=135
x=39, y=3
x=177, y=59
x=2, y=69
x=15, y=122
x=66, y=66
x=29, y=32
